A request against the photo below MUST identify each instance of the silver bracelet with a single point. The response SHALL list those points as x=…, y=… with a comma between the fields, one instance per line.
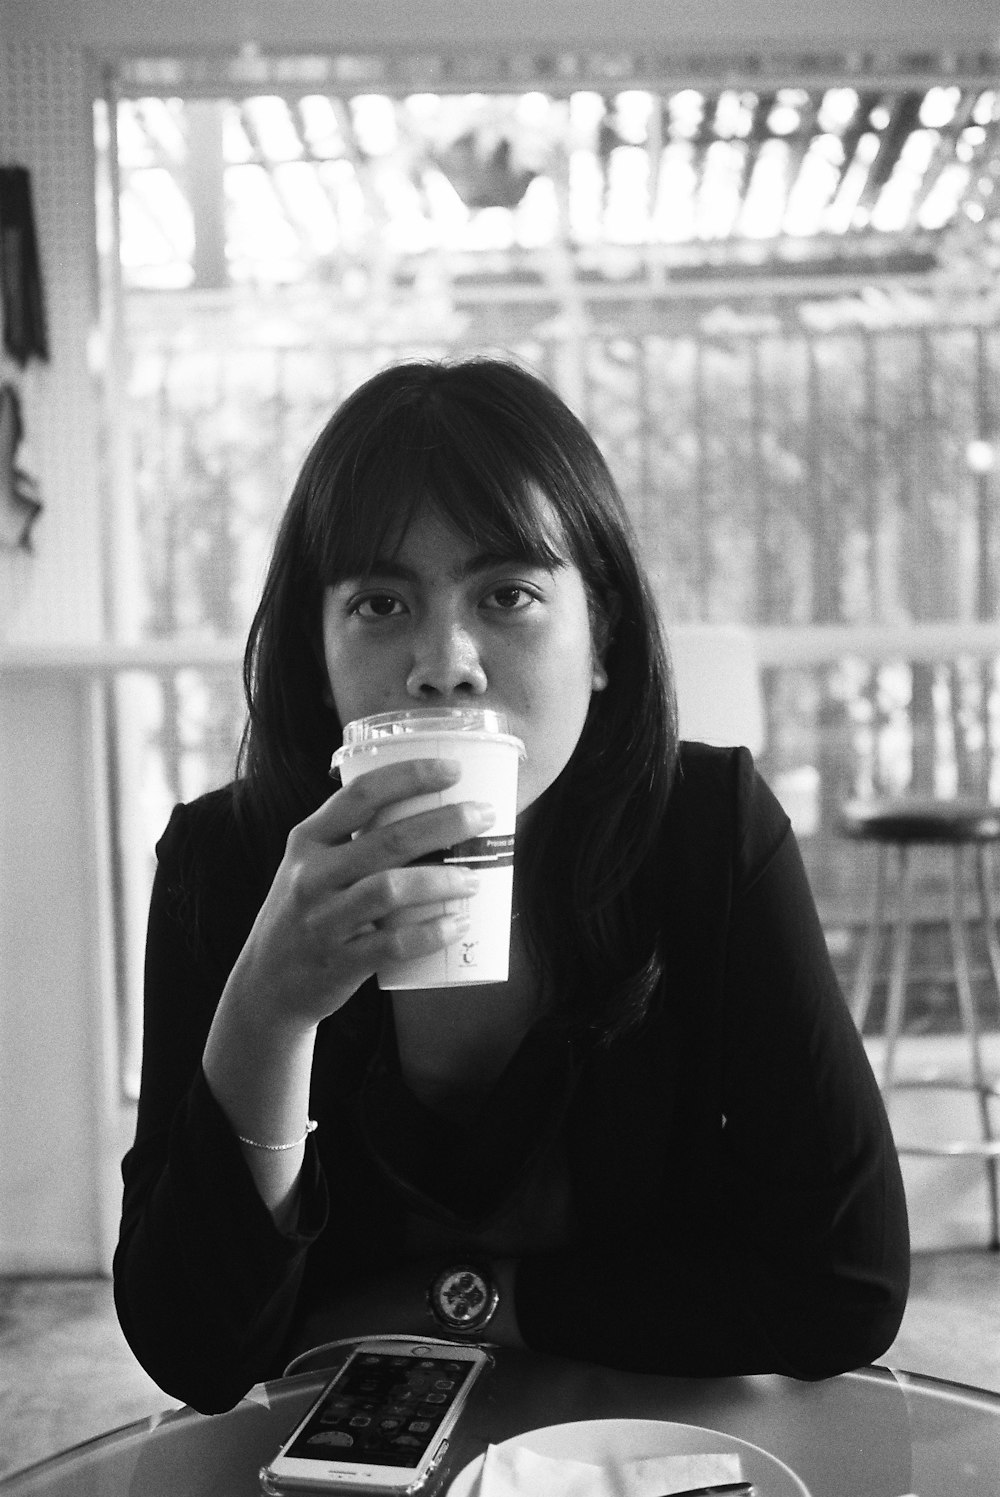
x=311, y=1127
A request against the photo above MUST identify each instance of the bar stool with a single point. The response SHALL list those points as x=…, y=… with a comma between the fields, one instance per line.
x=969, y=829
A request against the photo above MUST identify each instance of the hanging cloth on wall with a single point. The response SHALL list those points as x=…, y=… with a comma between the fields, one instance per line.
x=19, y=502
x=22, y=302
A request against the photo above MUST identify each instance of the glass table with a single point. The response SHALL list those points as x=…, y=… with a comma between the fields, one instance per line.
x=871, y=1433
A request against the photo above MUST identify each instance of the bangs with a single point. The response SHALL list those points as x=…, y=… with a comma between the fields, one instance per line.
x=427, y=459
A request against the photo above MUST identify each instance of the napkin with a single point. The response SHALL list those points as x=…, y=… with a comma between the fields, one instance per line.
x=511, y=1470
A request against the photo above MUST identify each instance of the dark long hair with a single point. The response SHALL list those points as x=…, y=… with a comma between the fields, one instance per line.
x=478, y=439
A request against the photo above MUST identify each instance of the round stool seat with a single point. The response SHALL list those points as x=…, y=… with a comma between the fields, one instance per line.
x=910, y=819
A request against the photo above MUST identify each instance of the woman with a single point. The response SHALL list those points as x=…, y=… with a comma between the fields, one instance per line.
x=659, y=1144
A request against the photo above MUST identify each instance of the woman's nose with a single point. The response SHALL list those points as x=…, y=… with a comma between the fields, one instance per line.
x=445, y=663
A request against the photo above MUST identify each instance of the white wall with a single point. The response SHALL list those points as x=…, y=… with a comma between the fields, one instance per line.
x=59, y=1118
x=57, y=1106
x=61, y=1125
x=45, y=124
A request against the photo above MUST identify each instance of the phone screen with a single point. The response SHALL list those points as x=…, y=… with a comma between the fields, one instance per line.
x=383, y=1410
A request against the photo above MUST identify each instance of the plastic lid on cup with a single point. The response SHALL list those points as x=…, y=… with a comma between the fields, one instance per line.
x=380, y=726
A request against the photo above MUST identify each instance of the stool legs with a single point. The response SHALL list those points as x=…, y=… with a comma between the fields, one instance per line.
x=864, y=977
x=967, y=1010
x=985, y=881
x=984, y=876
x=899, y=965
x=988, y=1148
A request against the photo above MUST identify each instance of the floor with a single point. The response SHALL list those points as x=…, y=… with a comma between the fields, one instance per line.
x=66, y=1373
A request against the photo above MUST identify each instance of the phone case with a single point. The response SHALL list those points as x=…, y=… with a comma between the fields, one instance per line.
x=276, y=1484
x=427, y=1485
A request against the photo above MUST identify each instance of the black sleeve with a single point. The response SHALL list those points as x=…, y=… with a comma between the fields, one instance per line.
x=205, y=1285
x=775, y=1237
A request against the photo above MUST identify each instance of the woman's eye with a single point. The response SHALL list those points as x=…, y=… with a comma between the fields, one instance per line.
x=509, y=598
x=377, y=606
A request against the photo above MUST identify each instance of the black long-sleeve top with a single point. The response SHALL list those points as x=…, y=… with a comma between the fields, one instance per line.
x=735, y=1199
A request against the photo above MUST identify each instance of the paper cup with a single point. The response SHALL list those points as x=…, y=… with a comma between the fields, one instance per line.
x=478, y=740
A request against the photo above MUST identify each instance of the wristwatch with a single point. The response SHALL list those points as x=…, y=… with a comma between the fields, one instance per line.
x=463, y=1299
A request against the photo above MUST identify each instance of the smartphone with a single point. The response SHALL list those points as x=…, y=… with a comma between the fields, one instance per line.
x=381, y=1425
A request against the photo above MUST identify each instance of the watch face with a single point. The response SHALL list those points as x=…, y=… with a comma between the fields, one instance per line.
x=463, y=1298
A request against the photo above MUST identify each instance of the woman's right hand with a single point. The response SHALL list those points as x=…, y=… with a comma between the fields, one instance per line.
x=346, y=897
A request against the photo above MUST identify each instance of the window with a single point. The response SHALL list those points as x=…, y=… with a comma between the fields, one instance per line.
x=771, y=303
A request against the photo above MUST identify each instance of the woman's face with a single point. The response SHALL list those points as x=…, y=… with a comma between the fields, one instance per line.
x=437, y=622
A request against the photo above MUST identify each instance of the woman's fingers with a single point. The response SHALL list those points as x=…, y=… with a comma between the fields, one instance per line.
x=415, y=896
x=354, y=891
x=420, y=914
x=345, y=842
x=375, y=946
x=356, y=806
x=388, y=818
x=384, y=866
x=400, y=843
x=395, y=897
